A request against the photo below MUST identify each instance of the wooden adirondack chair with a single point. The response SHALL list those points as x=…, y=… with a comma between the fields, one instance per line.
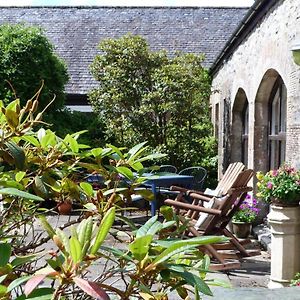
x=216, y=217
x=225, y=183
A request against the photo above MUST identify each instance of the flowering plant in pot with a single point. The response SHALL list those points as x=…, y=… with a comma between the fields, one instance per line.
x=245, y=216
x=280, y=187
x=296, y=280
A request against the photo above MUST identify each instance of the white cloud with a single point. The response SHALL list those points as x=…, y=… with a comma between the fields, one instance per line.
x=129, y=2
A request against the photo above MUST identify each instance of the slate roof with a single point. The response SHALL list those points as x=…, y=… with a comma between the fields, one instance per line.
x=76, y=31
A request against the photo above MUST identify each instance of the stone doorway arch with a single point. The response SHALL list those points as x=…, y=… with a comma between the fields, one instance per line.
x=262, y=124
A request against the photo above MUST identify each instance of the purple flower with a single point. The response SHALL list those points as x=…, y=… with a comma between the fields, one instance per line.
x=269, y=185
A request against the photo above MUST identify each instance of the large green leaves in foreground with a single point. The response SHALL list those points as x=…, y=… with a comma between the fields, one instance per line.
x=175, y=264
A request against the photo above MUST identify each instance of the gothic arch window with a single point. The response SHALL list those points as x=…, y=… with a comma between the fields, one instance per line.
x=277, y=125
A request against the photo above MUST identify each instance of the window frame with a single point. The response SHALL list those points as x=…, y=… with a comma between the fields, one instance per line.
x=277, y=124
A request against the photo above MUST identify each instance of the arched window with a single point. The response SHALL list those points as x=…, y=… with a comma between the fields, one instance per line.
x=277, y=124
x=245, y=132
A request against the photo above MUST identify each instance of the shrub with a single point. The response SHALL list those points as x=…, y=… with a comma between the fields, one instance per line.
x=26, y=59
x=144, y=95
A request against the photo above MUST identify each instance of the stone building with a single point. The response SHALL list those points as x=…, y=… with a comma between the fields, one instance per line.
x=256, y=103
x=76, y=32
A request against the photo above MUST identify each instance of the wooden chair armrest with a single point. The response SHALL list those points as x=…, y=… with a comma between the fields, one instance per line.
x=192, y=193
x=197, y=196
x=178, y=189
x=188, y=206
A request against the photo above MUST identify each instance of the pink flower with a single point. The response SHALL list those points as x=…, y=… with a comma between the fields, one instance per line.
x=274, y=173
x=269, y=185
x=298, y=182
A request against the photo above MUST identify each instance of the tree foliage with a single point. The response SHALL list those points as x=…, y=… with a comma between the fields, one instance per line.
x=145, y=95
x=64, y=121
x=26, y=59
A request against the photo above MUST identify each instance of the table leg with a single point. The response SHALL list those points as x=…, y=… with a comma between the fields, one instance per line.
x=153, y=203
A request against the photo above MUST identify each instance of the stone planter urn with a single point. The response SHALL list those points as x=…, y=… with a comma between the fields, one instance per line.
x=241, y=229
x=285, y=244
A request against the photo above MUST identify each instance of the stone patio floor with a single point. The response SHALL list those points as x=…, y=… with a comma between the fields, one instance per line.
x=249, y=281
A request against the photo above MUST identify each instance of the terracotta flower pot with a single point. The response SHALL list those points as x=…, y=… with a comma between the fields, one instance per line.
x=64, y=208
x=241, y=230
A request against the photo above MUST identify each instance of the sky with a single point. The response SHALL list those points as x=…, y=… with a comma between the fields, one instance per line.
x=239, y=3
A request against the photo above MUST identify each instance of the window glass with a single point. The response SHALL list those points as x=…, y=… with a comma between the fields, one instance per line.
x=245, y=118
x=277, y=125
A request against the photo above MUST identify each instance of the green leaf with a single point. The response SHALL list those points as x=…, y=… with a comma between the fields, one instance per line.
x=195, y=280
x=87, y=188
x=3, y=290
x=151, y=157
x=140, y=246
x=104, y=228
x=20, y=175
x=127, y=221
x=137, y=166
x=17, y=153
x=31, y=139
x=5, y=250
x=146, y=194
x=40, y=186
x=156, y=227
x=97, y=151
x=17, y=282
x=21, y=260
x=125, y=172
x=47, y=226
x=168, y=224
x=167, y=212
x=3, y=277
x=144, y=229
x=12, y=118
x=11, y=184
x=116, y=190
x=136, y=150
x=49, y=139
x=183, y=245
x=116, y=252
x=21, y=194
x=116, y=150
x=41, y=294
x=219, y=282
x=73, y=144
x=75, y=249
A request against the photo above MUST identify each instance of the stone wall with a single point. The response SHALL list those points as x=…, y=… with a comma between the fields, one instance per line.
x=253, y=68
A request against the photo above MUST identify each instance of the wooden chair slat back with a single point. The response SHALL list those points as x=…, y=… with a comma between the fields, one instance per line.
x=229, y=177
x=236, y=193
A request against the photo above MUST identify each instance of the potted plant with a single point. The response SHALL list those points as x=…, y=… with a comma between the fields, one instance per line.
x=280, y=187
x=244, y=217
x=296, y=280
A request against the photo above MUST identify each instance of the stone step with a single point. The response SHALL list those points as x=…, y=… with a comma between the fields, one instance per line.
x=263, y=234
